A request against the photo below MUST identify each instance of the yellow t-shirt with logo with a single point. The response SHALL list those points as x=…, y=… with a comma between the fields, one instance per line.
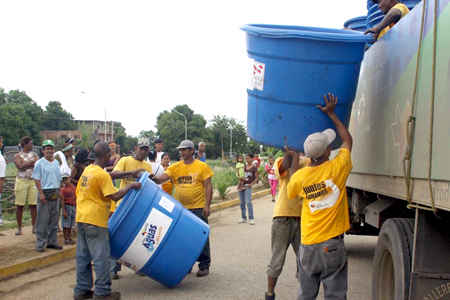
x=285, y=207
x=188, y=181
x=127, y=164
x=404, y=11
x=93, y=203
x=325, y=207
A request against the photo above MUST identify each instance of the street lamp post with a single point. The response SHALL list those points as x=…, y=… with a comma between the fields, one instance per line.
x=231, y=141
x=185, y=123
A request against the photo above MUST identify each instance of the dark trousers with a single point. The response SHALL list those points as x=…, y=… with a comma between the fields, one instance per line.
x=204, y=260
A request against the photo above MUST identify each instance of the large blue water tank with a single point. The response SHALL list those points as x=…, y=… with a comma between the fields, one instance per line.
x=154, y=234
x=293, y=68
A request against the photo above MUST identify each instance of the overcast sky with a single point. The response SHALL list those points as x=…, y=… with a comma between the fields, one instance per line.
x=139, y=58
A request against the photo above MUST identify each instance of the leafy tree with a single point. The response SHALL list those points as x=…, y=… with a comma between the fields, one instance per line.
x=219, y=128
x=3, y=96
x=87, y=136
x=148, y=134
x=171, y=128
x=19, y=97
x=56, y=118
x=18, y=120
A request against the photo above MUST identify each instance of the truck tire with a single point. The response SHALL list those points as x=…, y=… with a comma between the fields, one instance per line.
x=392, y=261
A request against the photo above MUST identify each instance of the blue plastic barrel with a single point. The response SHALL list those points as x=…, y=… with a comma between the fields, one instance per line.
x=356, y=22
x=298, y=66
x=154, y=234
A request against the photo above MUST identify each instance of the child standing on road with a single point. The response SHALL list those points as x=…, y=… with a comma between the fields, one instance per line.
x=240, y=173
x=69, y=198
x=270, y=170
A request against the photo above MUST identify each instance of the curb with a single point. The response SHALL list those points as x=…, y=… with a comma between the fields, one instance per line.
x=37, y=262
x=50, y=258
x=234, y=202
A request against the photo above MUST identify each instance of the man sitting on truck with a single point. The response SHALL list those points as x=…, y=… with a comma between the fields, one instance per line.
x=325, y=217
x=393, y=11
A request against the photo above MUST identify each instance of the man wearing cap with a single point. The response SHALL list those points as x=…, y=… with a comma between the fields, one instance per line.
x=47, y=176
x=325, y=218
x=193, y=188
x=126, y=164
x=65, y=158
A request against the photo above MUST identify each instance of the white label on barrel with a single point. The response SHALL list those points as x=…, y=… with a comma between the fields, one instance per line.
x=167, y=204
x=147, y=240
x=256, y=75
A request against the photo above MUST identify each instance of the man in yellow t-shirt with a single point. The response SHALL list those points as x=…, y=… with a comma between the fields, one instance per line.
x=325, y=218
x=95, y=191
x=286, y=220
x=193, y=188
x=138, y=161
x=393, y=11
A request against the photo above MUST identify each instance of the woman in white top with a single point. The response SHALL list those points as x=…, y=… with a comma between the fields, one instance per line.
x=158, y=170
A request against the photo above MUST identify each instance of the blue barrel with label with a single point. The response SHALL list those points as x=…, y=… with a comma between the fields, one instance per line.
x=293, y=67
x=152, y=233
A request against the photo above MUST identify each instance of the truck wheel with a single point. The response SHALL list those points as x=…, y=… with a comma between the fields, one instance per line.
x=392, y=260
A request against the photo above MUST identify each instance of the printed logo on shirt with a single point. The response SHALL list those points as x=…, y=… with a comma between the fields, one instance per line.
x=190, y=179
x=327, y=192
x=85, y=181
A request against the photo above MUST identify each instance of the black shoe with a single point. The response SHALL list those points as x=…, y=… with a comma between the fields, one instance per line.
x=55, y=247
x=114, y=275
x=203, y=272
x=270, y=296
x=87, y=295
x=113, y=295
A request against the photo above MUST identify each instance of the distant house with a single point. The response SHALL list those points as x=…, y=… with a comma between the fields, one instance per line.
x=101, y=131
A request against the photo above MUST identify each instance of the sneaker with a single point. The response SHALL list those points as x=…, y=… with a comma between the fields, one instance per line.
x=87, y=295
x=113, y=295
x=270, y=296
x=242, y=220
x=252, y=222
x=55, y=247
x=203, y=272
x=114, y=275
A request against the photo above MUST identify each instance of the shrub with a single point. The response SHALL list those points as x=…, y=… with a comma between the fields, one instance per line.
x=222, y=189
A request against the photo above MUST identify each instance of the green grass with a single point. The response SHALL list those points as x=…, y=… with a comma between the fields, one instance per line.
x=11, y=169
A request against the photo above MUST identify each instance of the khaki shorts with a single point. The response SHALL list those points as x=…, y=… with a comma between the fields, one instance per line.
x=285, y=233
x=25, y=189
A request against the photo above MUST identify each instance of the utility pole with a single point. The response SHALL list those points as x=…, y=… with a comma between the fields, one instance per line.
x=112, y=131
x=105, y=124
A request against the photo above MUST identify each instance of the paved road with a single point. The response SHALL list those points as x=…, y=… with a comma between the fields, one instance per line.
x=240, y=254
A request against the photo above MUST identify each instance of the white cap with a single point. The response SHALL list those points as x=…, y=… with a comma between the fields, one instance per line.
x=316, y=143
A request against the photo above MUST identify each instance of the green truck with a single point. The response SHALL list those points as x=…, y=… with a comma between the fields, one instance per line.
x=399, y=186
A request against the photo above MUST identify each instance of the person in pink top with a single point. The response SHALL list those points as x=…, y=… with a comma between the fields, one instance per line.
x=273, y=182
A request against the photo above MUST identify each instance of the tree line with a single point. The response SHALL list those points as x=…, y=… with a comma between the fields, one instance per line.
x=21, y=116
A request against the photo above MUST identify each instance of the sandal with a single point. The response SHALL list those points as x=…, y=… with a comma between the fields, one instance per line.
x=18, y=232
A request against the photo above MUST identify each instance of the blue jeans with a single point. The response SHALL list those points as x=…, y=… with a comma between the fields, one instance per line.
x=204, y=260
x=245, y=197
x=93, y=245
